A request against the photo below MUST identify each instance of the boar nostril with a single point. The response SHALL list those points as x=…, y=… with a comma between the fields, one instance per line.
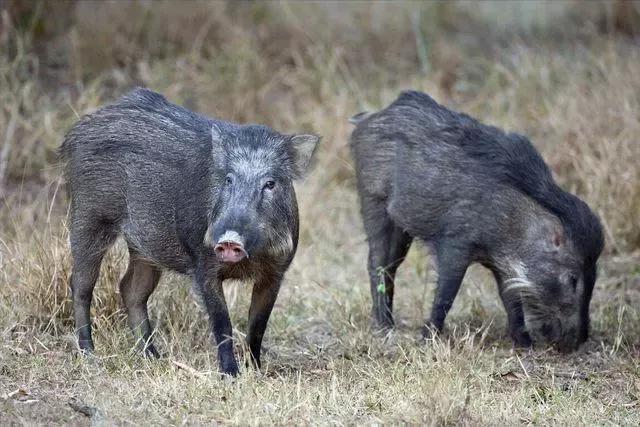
x=230, y=252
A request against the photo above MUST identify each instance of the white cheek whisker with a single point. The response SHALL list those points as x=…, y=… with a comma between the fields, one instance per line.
x=281, y=244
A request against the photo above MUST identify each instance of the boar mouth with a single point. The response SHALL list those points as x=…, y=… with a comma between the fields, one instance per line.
x=536, y=313
x=543, y=322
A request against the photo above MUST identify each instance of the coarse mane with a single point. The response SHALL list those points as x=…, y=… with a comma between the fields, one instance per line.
x=513, y=160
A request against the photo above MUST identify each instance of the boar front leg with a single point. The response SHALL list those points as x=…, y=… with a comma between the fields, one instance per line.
x=263, y=298
x=517, y=327
x=209, y=286
x=452, y=264
x=515, y=314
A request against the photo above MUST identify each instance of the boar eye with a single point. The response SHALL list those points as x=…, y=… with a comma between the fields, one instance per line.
x=269, y=185
x=229, y=179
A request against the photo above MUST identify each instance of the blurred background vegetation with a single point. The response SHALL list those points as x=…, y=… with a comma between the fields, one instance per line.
x=311, y=64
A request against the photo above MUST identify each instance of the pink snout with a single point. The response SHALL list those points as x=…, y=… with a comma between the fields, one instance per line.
x=230, y=252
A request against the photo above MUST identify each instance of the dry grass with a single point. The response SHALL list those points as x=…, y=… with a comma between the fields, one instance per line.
x=574, y=88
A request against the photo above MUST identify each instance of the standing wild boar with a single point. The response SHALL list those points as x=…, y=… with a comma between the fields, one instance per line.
x=474, y=194
x=202, y=197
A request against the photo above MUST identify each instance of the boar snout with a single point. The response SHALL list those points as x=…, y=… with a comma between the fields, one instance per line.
x=230, y=252
x=569, y=341
x=230, y=248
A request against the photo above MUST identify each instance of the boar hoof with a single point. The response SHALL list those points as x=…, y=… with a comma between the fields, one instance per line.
x=382, y=320
x=229, y=367
x=150, y=352
x=382, y=325
x=252, y=362
x=430, y=331
x=521, y=339
x=85, y=346
x=230, y=373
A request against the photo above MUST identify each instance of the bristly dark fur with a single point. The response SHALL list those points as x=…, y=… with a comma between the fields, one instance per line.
x=476, y=194
x=513, y=158
x=173, y=183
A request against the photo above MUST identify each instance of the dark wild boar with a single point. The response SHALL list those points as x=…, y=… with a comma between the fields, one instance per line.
x=474, y=194
x=202, y=197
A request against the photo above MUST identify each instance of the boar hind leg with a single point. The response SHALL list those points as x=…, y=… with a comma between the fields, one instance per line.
x=263, y=298
x=452, y=265
x=89, y=243
x=388, y=245
x=136, y=286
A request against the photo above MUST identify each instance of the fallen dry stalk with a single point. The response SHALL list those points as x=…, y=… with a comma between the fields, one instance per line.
x=191, y=371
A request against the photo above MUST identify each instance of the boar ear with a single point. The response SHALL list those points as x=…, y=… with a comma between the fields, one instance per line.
x=303, y=148
x=556, y=238
x=217, y=144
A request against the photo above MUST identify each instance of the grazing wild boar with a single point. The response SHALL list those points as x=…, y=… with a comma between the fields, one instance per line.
x=202, y=197
x=474, y=193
